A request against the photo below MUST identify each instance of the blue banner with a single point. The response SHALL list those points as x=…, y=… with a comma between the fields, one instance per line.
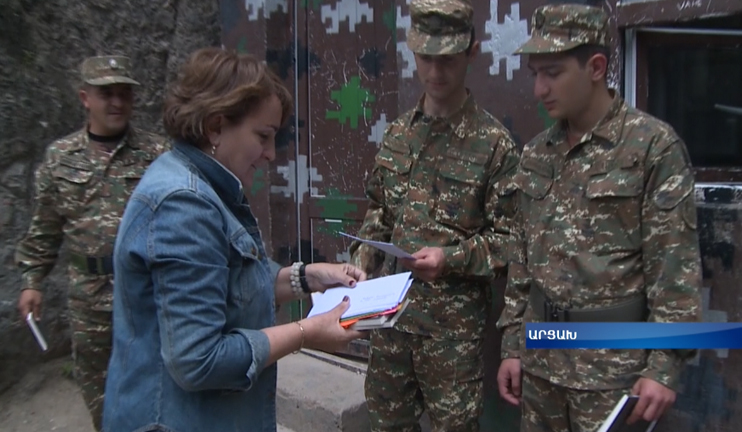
x=634, y=335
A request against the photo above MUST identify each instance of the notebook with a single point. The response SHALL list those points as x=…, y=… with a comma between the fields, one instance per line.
x=380, y=321
x=347, y=322
x=616, y=421
x=370, y=297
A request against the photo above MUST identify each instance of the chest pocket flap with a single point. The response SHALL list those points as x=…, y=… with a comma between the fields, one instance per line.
x=464, y=166
x=534, y=178
x=73, y=170
x=619, y=183
x=245, y=246
x=395, y=156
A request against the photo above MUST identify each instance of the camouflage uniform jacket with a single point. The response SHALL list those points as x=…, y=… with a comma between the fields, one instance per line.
x=612, y=218
x=80, y=195
x=442, y=183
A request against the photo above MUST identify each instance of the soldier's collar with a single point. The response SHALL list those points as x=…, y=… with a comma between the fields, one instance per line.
x=609, y=128
x=458, y=121
x=556, y=133
x=107, y=139
x=418, y=112
x=130, y=139
x=85, y=141
x=81, y=143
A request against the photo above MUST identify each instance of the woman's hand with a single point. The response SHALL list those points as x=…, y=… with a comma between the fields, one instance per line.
x=322, y=276
x=324, y=332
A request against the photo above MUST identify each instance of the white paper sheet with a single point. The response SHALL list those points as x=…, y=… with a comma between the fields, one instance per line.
x=370, y=296
x=36, y=332
x=386, y=247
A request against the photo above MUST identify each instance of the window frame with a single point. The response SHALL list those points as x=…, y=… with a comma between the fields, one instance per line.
x=636, y=74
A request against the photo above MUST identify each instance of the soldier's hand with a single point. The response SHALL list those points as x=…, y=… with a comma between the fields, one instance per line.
x=428, y=264
x=654, y=400
x=508, y=380
x=30, y=301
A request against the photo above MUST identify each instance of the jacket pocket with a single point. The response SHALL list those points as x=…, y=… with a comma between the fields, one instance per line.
x=122, y=181
x=617, y=183
x=244, y=269
x=395, y=156
x=73, y=184
x=613, y=210
x=133, y=172
x=534, y=178
x=461, y=187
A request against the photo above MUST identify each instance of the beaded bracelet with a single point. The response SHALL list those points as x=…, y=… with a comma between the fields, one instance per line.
x=295, y=279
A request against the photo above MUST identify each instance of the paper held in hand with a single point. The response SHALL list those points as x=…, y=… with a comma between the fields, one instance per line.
x=36, y=332
x=616, y=421
x=369, y=300
x=385, y=247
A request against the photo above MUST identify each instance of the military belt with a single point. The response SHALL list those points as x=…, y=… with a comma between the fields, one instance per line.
x=93, y=265
x=634, y=310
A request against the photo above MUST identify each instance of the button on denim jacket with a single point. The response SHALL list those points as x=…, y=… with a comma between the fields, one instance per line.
x=192, y=289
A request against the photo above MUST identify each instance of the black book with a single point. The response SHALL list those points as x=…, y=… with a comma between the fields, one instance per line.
x=616, y=422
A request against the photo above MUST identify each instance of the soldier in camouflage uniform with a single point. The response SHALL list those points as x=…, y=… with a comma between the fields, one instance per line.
x=82, y=186
x=439, y=188
x=605, y=231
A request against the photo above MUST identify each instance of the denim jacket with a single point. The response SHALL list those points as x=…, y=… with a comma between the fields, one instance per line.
x=192, y=289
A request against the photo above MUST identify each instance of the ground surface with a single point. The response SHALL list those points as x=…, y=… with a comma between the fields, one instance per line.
x=46, y=400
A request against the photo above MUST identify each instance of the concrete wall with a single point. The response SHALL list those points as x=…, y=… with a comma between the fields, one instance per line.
x=41, y=47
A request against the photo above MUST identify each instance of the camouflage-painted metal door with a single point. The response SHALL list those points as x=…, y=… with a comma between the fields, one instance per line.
x=266, y=29
x=351, y=95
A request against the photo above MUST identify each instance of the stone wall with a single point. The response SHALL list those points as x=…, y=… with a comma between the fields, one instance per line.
x=41, y=46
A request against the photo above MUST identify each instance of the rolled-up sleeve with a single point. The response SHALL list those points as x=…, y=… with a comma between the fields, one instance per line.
x=191, y=279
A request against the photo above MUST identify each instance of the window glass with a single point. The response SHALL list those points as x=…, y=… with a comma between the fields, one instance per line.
x=698, y=90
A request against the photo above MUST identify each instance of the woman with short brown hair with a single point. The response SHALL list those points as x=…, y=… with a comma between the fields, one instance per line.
x=195, y=341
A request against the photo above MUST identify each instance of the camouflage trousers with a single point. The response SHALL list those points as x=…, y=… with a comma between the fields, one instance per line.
x=91, y=350
x=408, y=374
x=551, y=408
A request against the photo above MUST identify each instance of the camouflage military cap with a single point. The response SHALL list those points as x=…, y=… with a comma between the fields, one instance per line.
x=105, y=70
x=439, y=27
x=558, y=28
